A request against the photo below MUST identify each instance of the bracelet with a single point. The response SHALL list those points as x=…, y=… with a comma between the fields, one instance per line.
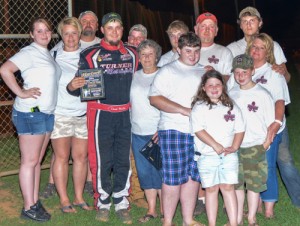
x=278, y=121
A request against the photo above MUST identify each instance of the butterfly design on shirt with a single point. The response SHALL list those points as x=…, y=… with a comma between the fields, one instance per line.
x=252, y=107
x=229, y=116
x=213, y=59
x=261, y=80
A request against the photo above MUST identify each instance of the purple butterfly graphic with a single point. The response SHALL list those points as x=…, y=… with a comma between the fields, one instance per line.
x=213, y=59
x=261, y=80
x=252, y=107
x=229, y=116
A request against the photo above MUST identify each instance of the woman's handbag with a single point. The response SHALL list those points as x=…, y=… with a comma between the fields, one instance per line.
x=151, y=151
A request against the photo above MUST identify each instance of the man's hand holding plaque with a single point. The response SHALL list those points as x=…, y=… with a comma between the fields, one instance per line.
x=76, y=83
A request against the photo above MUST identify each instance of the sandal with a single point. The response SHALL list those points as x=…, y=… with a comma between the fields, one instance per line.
x=253, y=224
x=196, y=223
x=241, y=223
x=84, y=206
x=49, y=191
x=270, y=217
x=68, y=209
x=146, y=218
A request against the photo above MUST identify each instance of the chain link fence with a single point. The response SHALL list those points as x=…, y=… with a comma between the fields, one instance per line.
x=15, y=17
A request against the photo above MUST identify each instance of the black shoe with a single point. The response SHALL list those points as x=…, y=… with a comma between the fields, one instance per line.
x=41, y=209
x=48, y=192
x=34, y=214
x=88, y=188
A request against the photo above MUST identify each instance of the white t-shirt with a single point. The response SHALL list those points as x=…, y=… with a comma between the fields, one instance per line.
x=168, y=58
x=67, y=104
x=219, y=122
x=217, y=56
x=38, y=69
x=258, y=111
x=83, y=44
x=239, y=47
x=275, y=84
x=144, y=117
x=179, y=83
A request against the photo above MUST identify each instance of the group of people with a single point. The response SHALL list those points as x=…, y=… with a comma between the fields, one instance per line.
x=216, y=112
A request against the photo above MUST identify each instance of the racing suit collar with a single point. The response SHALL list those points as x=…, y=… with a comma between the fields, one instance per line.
x=121, y=47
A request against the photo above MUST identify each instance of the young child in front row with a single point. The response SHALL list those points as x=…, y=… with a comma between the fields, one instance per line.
x=219, y=128
x=258, y=111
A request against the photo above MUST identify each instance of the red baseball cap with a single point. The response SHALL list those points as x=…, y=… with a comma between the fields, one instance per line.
x=205, y=16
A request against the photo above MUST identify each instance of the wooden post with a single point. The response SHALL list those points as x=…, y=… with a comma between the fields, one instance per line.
x=196, y=8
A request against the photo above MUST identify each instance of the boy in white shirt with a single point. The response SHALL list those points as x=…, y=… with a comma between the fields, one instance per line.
x=258, y=111
x=172, y=91
x=175, y=30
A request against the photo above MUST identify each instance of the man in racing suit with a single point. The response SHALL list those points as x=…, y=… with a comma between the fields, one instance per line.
x=109, y=125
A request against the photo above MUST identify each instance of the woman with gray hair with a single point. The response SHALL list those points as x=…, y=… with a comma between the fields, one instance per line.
x=144, y=120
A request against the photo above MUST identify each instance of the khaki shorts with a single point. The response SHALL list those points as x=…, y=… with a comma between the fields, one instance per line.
x=69, y=126
x=253, y=169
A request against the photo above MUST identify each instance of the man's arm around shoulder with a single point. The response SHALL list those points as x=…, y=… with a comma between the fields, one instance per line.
x=164, y=104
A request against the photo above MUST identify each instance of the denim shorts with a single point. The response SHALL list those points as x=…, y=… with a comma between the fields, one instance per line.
x=32, y=123
x=149, y=176
x=218, y=169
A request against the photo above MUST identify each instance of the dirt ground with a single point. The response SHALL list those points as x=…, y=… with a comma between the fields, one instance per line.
x=8, y=203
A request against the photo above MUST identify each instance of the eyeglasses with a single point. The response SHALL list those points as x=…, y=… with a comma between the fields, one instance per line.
x=147, y=55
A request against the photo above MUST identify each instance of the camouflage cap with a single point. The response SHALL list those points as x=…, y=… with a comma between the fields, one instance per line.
x=110, y=17
x=242, y=61
x=250, y=11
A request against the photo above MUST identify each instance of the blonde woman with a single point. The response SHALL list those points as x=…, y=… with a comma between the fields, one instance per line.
x=69, y=135
x=261, y=50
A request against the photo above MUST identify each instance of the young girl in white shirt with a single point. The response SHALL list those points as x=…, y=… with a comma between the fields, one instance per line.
x=219, y=128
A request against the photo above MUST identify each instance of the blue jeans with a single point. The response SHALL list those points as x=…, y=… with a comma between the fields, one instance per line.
x=32, y=123
x=289, y=173
x=149, y=176
x=271, y=194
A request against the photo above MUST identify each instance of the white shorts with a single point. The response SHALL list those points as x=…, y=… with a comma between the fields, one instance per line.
x=69, y=126
x=218, y=169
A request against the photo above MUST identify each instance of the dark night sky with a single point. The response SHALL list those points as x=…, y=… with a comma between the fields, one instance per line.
x=281, y=17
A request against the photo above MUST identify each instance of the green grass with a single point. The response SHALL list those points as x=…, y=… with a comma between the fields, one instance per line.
x=286, y=213
x=10, y=154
